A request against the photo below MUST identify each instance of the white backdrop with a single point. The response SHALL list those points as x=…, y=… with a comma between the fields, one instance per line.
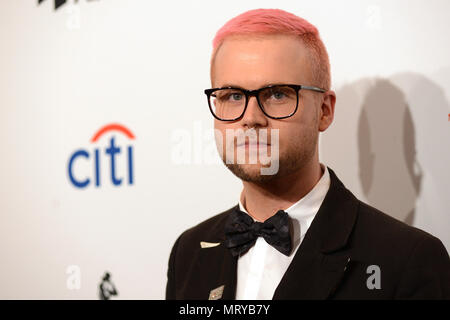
x=67, y=73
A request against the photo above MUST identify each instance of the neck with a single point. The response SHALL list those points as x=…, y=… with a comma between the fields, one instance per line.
x=263, y=201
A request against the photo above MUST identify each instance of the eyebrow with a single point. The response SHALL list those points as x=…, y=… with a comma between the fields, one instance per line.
x=264, y=85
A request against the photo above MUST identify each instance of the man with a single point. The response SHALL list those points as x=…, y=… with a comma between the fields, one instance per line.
x=297, y=232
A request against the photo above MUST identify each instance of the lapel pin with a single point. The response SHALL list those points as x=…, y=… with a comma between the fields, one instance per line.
x=204, y=244
x=348, y=261
x=216, y=294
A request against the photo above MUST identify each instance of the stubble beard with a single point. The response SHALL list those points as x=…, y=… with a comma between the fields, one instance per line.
x=296, y=157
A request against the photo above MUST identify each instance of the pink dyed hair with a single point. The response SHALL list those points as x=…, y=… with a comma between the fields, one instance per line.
x=260, y=22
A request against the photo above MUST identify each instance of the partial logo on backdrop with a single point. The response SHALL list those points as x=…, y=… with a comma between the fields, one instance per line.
x=96, y=157
x=58, y=3
x=107, y=288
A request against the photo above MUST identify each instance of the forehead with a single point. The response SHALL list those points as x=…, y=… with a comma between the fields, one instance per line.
x=256, y=61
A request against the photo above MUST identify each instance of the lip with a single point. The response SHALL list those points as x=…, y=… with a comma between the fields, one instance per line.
x=253, y=145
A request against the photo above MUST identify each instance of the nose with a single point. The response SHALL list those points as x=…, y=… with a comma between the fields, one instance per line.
x=253, y=116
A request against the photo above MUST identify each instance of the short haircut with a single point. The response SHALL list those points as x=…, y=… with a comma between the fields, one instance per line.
x=260, y=22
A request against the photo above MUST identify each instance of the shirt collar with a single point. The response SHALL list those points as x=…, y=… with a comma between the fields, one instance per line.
x=304, y=210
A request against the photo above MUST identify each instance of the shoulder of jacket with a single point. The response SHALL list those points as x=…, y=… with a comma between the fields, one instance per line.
x=208, y=229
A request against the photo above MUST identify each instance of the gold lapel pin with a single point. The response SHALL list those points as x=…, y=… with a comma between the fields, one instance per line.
x=204, y=244
x=216, y=294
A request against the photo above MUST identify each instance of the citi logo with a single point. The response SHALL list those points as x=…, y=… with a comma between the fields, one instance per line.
x=94, y=159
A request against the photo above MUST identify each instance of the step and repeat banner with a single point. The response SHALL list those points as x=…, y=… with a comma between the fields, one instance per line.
x=107, y=142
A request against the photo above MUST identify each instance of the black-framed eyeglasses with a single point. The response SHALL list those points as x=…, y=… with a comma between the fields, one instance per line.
x=278, y=101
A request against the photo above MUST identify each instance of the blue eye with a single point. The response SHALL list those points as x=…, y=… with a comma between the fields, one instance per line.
x=236, y=96
x=278, y=94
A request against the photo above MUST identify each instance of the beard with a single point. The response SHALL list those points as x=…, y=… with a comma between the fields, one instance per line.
x=297, y=156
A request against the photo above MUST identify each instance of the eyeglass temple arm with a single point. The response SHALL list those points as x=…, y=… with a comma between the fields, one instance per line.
x=313, y=88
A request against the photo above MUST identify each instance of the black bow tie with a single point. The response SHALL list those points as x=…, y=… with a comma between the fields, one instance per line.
x=241, y=232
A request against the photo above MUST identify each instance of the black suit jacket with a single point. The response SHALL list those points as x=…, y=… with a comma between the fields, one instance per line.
x=344, y=239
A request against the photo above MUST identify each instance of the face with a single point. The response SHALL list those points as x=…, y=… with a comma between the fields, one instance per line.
x=252, y=63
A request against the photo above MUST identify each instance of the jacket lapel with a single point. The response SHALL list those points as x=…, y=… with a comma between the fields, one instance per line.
x=216, y=266
x=322, y=258
x=318, y=265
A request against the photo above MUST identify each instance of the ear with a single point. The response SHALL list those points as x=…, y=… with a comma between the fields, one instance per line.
x=326, y=112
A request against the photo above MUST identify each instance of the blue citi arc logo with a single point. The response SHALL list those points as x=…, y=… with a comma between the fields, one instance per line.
x=112, y=151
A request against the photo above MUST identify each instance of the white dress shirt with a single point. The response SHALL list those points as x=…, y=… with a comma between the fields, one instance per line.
x=260, y=269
